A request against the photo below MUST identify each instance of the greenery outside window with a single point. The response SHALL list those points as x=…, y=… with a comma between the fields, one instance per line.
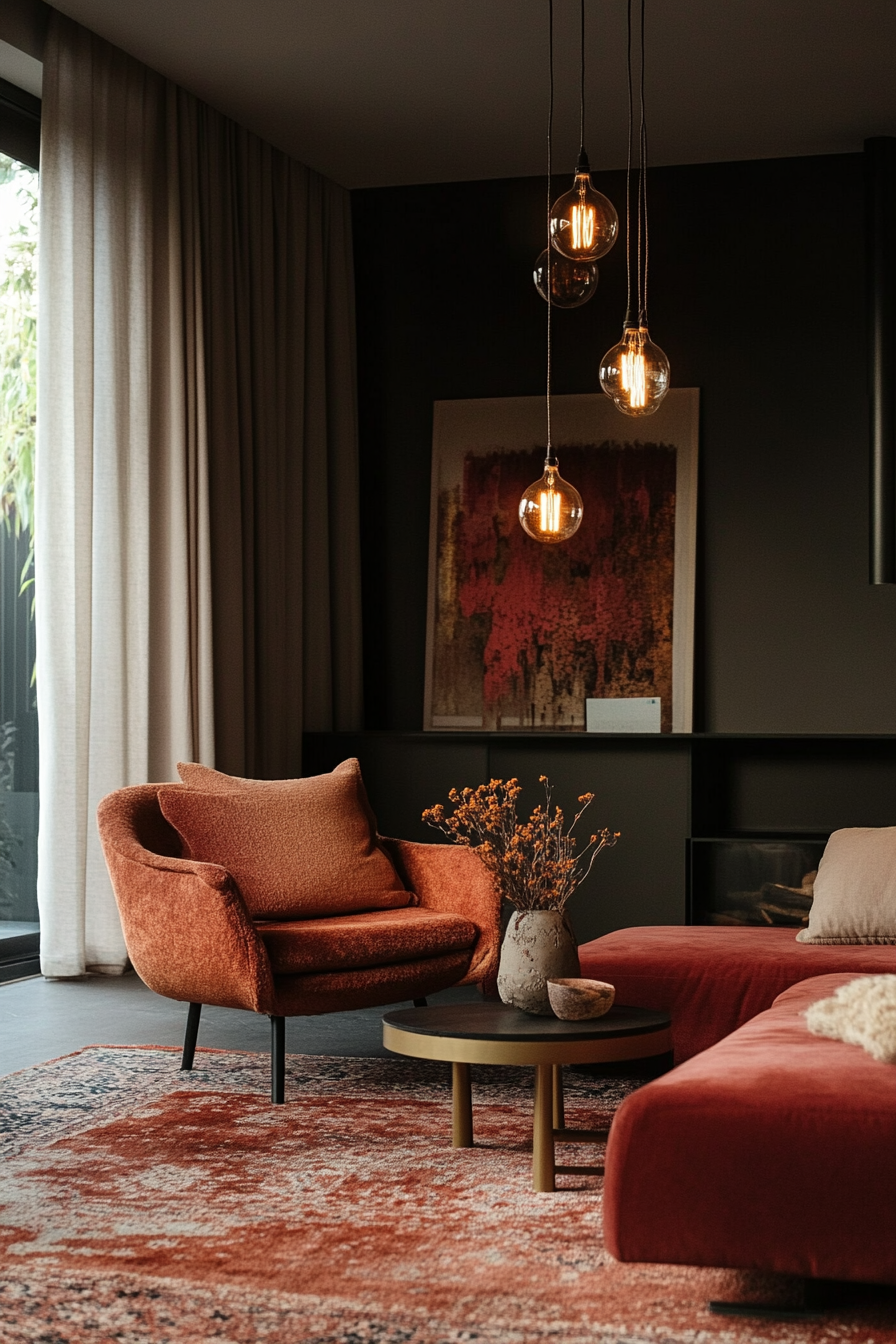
x=19, y=145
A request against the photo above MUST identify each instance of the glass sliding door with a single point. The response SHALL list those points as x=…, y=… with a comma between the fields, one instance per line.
x=19, y=139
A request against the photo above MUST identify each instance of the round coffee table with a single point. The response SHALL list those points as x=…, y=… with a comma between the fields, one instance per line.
x=493, y=1033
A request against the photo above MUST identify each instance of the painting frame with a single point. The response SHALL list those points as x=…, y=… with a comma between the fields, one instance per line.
x=463, y=429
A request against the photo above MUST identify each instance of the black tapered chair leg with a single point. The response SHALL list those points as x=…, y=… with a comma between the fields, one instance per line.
x=420, y=1003
x=190, y=1036
x=278, y=1060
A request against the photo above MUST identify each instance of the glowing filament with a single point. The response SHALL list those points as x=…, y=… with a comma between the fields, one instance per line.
x=634, y=377
x=582, y=227
x=549, y=511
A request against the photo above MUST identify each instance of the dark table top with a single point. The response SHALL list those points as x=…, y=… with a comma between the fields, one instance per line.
x=489, y=1021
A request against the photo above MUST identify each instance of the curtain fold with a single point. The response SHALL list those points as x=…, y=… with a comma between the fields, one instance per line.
x=122, y=579
x=279, y=307
x=196, y=540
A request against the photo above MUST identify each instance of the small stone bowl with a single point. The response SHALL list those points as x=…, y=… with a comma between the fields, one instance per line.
x=576, y=1000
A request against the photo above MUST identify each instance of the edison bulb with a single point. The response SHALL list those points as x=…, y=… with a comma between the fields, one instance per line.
x=635, y=373
x=572, y=282
x=584, y=223
x=551, y=509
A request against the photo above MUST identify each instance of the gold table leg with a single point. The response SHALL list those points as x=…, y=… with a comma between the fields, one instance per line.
x=543, y=1129
x=461, y=1107
x=559, y=1117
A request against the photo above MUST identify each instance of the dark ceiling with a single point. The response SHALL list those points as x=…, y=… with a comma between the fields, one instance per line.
x=383, y=92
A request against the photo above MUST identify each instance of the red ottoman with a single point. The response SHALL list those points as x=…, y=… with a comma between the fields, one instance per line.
x=712, y=980
x=774, y=1150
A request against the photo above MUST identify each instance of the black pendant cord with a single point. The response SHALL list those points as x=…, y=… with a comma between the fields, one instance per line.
x=628, y=181
x=582, y=80
x=642, y=306
x=639, y=255
x=550, y=459
x=642, y=243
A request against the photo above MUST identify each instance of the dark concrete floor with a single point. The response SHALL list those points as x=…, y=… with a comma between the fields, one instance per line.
x=42, y=1019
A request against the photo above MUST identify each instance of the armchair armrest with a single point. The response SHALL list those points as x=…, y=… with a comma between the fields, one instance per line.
x=453, y=880
x=186, y=928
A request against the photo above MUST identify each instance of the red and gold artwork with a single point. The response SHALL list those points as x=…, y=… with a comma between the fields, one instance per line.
x=521, y=634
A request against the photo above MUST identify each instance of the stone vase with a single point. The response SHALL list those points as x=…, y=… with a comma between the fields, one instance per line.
x=539, y=945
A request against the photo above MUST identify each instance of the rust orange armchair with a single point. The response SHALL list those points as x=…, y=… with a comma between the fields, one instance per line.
x=191, y=935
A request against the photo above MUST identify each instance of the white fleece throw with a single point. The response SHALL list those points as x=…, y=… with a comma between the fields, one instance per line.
x=860, y=1013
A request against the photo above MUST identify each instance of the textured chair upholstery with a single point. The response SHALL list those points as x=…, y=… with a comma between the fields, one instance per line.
x=190, y=936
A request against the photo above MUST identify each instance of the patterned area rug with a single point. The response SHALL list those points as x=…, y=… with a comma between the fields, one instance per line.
x=141, y=1204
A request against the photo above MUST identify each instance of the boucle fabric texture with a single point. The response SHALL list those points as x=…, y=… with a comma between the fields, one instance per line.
x=855, y=890
x=367, y=986
x=190, y=936
x=374, y=938
x=863, y=1013
x=207, y=780
x=297, y=849
x=186, y=927
x=452, y=880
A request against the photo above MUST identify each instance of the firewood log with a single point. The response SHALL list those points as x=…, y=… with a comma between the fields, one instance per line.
x=782, y=914
x=790, y=896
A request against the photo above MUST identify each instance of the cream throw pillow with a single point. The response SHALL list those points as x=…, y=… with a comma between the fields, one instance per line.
x=855, y=890
x=860, y=1013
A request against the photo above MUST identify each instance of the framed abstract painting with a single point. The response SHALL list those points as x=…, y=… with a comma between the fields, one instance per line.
x=521, y=634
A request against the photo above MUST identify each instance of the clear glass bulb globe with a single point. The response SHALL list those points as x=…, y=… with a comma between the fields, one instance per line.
x=584, y=224
x=572, y=282
x=551, y=509
x=635, y=373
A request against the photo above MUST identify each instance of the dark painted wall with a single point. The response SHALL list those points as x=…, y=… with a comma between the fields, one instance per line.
x=757, y=297
x=640, y=787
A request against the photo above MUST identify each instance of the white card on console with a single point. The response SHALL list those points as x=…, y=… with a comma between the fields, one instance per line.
x=635, y=714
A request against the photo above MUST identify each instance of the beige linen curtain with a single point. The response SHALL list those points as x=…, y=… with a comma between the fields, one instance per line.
x=124, y=680
x=196, y=501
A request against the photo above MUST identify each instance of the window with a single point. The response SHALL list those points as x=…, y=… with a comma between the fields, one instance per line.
x=19, y=144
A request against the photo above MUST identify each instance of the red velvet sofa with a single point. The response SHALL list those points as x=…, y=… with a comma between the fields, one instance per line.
x=772, y=1150
x=768, y=1148
x=713, y=980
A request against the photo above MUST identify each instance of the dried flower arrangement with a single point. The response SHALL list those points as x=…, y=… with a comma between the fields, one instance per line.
x=534, y=862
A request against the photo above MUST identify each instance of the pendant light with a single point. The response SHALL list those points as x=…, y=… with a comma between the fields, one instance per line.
x=551, y=509
x=635, y=373
x=584, y=224
x=572, y=282
x=573, y=279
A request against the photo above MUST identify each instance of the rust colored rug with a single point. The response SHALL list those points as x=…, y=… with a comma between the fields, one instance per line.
x=140, y=1204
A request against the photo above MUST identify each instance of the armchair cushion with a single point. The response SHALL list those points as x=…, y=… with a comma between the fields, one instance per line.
x=375, y=938
x=297, y=849
x=452, y=880
x=206, y=780
x=365, y=986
